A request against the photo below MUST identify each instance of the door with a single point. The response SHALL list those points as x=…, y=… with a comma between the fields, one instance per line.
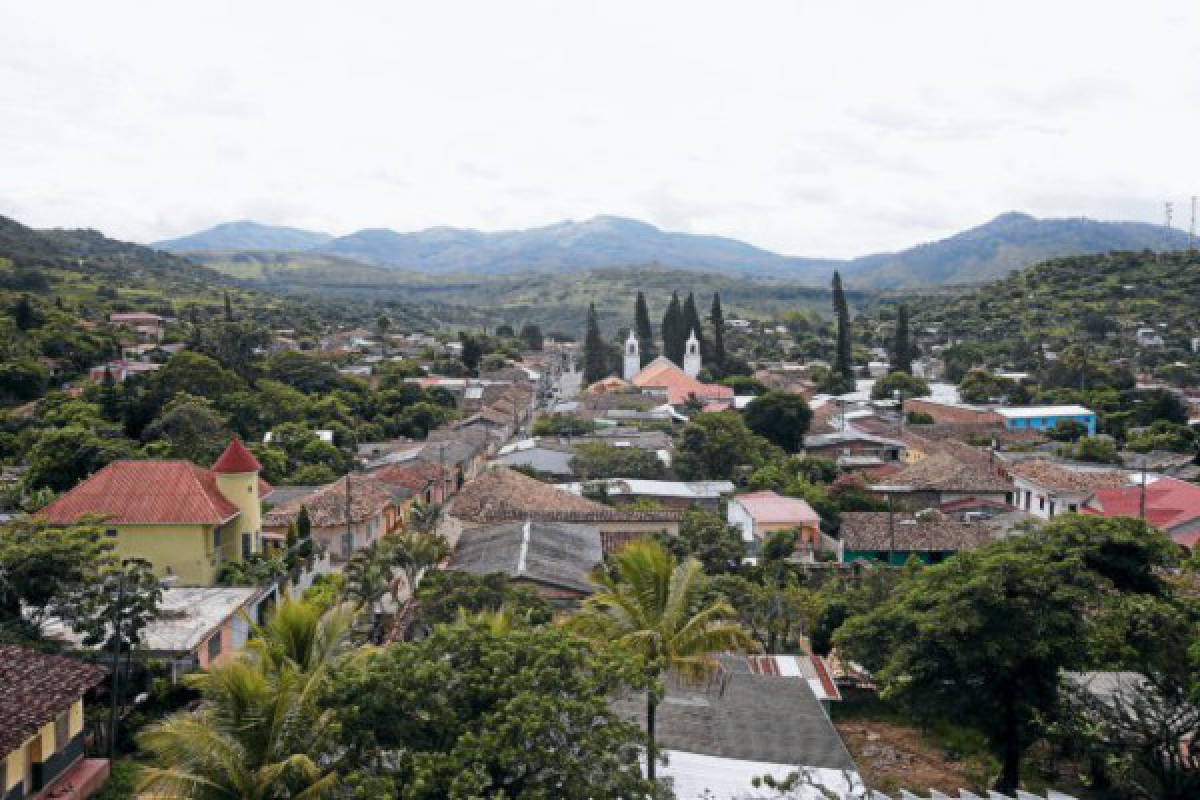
x=33, y=755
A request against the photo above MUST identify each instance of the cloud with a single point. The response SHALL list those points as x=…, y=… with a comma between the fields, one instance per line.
x=808, y=128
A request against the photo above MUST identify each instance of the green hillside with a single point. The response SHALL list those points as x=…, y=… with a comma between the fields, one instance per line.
x=1084, y=307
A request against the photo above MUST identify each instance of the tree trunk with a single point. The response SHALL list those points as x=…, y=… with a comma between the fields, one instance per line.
x=1010, y=773
x=651, y=747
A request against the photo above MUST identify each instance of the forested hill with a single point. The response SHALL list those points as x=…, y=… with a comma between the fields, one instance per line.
x=1095, y=302
x=94, y=255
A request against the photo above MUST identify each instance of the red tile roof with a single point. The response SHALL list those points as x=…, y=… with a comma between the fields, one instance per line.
x=662, y=373
x=37, y=688
x=415, y=475
x=236, y=459
x=767, y=506
x=1169, y=503
x=145, y=493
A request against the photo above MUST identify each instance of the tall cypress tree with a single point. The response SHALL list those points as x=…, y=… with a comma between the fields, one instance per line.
x=691, y=322
x=643, y=331
x=843, y=364
x=718, y=323
x=595, y=354
x=228, y=308
x=902, y=349
x=673, y=342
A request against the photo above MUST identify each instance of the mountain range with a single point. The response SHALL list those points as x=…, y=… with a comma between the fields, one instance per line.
x=1010, y=241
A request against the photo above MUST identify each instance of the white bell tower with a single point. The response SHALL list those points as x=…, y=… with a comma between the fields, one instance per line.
x=691, y=356
x=633, y=359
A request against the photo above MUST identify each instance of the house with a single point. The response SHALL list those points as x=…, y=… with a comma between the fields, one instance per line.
x=41, y=726
x=346, y=516
x=535, y=455
x=184, y=519
x=949, y=473
x=1045, y=418
x=1044, y=488
x=196, y=627
x=324, y=434
x=758, y=514
x=929, y=535
x=853, y=448
x=504, y=495
x=554, y=559
x=1148, y=337
x=121, y=370
x=428, y=483
x=749, y=720
x=705, y=495
x=662, y=376
x=1170, y=504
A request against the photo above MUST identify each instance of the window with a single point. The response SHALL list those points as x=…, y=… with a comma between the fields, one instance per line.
x=217, y=538
x=1071, y=507
x=111, y=533
x=214, y=646
x=62, y=730
x=1041, y=503
x=247, y=545
x=1051, y=508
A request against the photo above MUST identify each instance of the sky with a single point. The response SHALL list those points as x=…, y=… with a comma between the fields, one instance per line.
x=809, y=128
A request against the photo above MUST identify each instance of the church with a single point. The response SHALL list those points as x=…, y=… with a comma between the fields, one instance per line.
x=663, y=376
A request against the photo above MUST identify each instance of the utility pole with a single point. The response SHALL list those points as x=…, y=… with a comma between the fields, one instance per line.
x=1169, y=208
x=116, y=662
x=1142, y=496
x=1192, y=226
x=891, y=529
x=349, y=526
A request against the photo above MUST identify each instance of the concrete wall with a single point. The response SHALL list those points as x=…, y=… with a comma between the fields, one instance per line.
x=187, y=550
x=946, y=413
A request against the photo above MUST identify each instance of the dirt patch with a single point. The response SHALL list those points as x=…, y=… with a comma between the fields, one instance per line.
x=893, y=757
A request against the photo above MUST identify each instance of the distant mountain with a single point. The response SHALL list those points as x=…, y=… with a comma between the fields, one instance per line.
x=245, y=235
x=1010, y=241
x=564, y=247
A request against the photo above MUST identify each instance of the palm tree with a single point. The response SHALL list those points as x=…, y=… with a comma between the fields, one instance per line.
x=414, y=553
x=253, y=738
x=300, y=636
x=368, y=576
x=424, y=517
x=645, y=610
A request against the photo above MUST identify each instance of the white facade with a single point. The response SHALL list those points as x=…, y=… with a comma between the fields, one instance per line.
x=691, y=356
x=633, y=359
x=1046, y=503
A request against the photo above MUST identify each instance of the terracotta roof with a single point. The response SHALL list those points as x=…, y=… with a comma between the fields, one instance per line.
x=37, y=688
x=925, y=531
x=1049, y=475
x=503, y=494
x=327, y=505
x=946, y=471
x=662, y=373
x=1169, y=503
x=415, y=475
x=767, y=506
x=236, y=459
x=145, y=493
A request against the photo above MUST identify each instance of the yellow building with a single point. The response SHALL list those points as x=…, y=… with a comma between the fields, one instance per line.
x=187, y=521
x=41, y=733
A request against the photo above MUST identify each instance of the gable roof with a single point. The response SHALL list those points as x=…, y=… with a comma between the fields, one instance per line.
x=502, y=494
x=950, y=470
x=38, y=687
x=769, y=507
x=145, y=493
x=662, y=373
x=553, y=554
x=1048, y=475
x=236, y=459
x=415, y=475
x=747, y=715
x=926, y=531
x=1170, y=503
x=327, y=504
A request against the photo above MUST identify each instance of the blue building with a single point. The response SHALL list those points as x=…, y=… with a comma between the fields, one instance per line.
x=1044, y=418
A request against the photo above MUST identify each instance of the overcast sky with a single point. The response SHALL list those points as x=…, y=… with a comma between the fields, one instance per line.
x=810, y=128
